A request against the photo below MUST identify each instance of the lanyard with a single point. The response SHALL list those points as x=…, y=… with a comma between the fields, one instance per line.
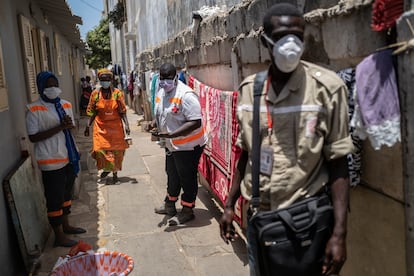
x=269, y=117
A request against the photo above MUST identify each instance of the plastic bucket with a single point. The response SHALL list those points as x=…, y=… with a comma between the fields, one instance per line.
x=98, y=264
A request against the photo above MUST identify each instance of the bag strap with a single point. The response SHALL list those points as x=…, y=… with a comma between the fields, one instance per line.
x=256, y=139
x=288, y=219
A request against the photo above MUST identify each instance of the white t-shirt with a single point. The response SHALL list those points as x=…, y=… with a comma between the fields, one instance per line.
x=51, y=153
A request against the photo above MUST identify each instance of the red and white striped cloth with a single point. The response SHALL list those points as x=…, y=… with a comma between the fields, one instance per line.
x=217, y=163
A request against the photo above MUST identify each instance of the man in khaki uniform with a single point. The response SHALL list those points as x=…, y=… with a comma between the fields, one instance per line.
x=304, y=134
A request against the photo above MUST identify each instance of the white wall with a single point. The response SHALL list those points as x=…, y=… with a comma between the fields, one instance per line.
x=12, y=121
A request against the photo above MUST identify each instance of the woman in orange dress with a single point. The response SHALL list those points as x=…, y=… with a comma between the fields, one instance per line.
x=107, y=112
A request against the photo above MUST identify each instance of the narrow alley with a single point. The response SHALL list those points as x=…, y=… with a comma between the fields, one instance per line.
x=217, y=47
x=121, y=218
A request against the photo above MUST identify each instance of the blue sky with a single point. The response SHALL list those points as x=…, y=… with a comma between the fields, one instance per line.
x=90, y=11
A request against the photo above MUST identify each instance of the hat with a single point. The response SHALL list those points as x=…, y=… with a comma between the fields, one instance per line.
x=104, y=71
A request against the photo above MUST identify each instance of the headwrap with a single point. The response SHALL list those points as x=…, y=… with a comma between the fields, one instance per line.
x=73, y=153
x=104, y=71
x=41, y=80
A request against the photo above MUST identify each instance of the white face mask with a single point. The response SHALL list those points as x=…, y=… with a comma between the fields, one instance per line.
x=52, y=92
x=287, y=52
x=167, y=85
x=105, y=84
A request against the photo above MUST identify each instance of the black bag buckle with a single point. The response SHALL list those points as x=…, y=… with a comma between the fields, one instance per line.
x=254, y=205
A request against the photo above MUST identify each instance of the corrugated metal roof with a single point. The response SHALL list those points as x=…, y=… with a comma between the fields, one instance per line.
x=59, y=13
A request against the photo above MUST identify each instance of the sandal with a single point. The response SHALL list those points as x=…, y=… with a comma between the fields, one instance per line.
x=115, y=178
x=104, y=174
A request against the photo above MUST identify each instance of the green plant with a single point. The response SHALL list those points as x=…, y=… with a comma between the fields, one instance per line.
x=117, y=15
x=98, y=46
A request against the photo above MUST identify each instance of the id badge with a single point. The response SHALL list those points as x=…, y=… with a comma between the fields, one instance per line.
x=266, y=160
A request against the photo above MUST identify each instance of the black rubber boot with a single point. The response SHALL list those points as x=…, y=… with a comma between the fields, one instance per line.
x=168, y=208
x=186, y=215
x=104, y=174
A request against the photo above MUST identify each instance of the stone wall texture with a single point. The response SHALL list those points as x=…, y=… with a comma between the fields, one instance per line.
x=225, y=48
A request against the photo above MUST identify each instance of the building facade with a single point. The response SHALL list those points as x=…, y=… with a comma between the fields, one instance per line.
x=34, y=36
x=217, y=42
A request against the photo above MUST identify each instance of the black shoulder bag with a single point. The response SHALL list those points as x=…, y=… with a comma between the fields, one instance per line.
x=291, y=241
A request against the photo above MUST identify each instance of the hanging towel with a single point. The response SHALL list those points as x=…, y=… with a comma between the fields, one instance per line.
x=154, y=89
x=377, y=108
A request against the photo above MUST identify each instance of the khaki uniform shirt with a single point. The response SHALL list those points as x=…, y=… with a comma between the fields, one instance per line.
x=310, y=127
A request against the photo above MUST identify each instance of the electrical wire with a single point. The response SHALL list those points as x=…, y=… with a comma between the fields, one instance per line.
x=83, y=1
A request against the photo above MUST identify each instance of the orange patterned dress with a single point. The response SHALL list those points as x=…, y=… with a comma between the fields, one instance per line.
x=108, y=132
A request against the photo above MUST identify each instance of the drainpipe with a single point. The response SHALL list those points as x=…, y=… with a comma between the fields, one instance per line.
x=406, y=82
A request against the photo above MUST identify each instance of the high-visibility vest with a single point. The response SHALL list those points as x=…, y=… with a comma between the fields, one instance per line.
x=171, y=117
x=51, y=153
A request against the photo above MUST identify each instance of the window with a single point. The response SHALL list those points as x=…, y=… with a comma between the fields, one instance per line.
x=4, y=103
x=59, y=51
x=30, y=64
x=44, y=51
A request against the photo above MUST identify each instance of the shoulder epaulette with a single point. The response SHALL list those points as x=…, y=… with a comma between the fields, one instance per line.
x=247, y=80
x=326, y=77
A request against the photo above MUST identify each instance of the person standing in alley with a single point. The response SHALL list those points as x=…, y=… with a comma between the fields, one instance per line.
x=107, y=111
x=49, y=121
x=178, y=122
x=131, y=80
x=86, y=87
x=304, y=142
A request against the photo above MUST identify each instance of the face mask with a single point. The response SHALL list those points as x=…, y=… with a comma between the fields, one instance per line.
x=52, y=92
x=105, y=84
x=287, y=52
x=167, y=85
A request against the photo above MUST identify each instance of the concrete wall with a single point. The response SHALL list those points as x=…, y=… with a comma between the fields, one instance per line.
x=376, y=243
x=12, y=121
x=225, y=49
x=160, y=20
x=9, y=140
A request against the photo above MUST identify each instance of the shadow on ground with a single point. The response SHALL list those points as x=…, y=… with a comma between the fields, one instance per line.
x=212, y=205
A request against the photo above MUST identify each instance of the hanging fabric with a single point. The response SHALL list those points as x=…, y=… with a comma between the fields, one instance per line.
x=385, y=13
x=377, y=109
x=354, y=159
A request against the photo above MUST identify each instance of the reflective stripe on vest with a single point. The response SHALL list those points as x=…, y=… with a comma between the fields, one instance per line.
x=188, y=139
x=172, y=100
x=35, y=108
x=175, y=100
x=67, y=105
x=52, y=161
x=38, y=108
